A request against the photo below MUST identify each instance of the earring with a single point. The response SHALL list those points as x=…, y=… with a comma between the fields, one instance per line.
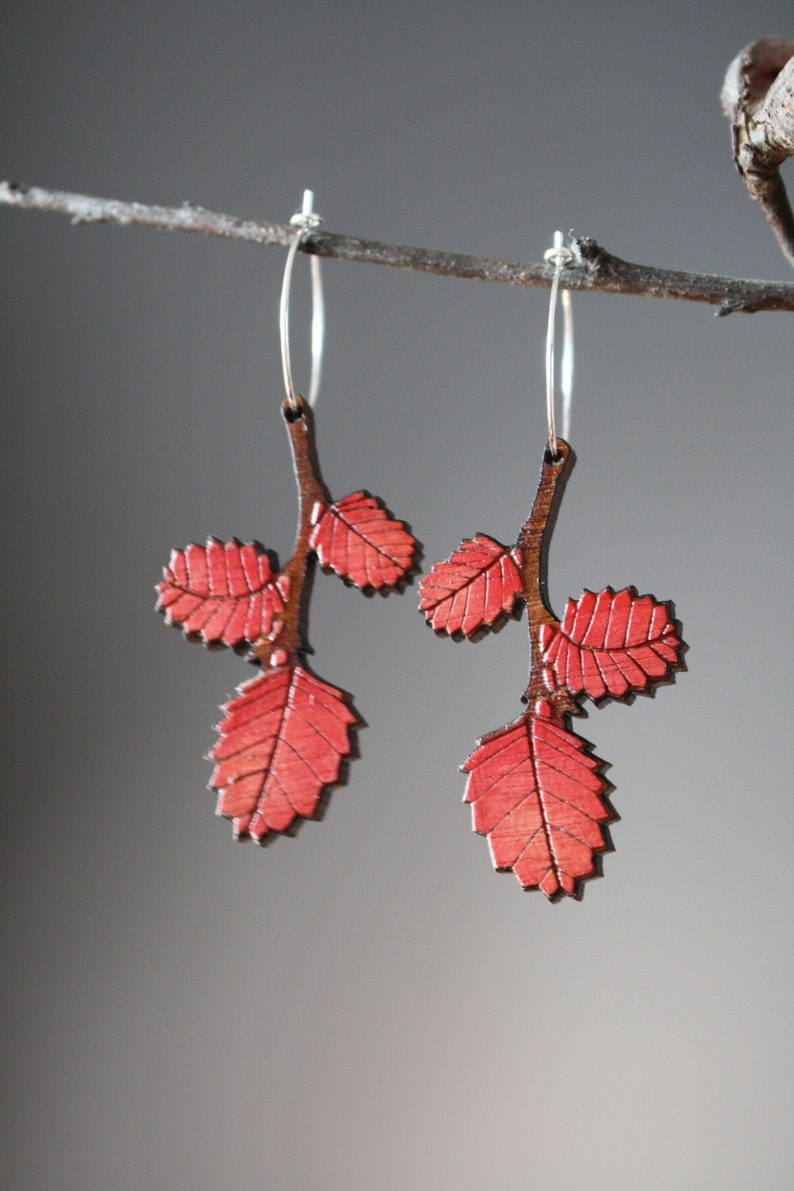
x=286, y=736
x=535, y=789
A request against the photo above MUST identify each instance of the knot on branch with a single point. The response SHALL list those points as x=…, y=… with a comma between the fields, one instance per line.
x=590, y=253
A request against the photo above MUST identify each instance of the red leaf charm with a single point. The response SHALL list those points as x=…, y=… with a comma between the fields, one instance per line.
x=223, y=593
x=474, y=589
x=282, y=745
x=612, y=644
x=286, y=736
x=356, y=538
x=537, y=793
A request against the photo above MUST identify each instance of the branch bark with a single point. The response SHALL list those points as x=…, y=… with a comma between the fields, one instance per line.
x=593, y=270
x=758, y=99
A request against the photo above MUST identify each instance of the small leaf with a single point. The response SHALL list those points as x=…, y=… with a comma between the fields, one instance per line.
x=282, y=744
x=474, y=589
x=356, y=538
x=537, y=794
x=223, y=593
x=612, y=645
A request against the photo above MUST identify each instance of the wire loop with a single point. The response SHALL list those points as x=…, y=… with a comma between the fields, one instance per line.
x=560, y=257
x=305, y=221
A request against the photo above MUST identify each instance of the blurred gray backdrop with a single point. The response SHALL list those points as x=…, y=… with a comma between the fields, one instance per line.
x=369, y=1005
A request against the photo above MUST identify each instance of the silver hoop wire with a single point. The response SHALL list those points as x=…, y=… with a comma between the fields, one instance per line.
x=560, y=256
x=305, y=221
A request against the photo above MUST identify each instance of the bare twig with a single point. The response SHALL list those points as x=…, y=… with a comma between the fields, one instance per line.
x=594, y=270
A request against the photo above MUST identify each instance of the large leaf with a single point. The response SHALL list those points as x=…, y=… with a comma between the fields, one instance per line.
x=356, y=538
x=223, y=593
x=473, y=589
x=282, y=744
x=537, y=794
x=612, y=644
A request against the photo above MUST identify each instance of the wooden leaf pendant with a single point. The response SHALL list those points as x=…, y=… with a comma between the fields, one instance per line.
x=286, y=736
x=535, y=789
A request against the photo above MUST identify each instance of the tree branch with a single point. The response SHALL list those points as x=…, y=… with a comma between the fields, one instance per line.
x=758, y=99
x=594, y=270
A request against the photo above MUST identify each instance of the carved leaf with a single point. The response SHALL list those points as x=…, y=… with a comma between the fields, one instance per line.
x=282, y=744
x=223, y=593
x=536, y=793
x=476, y=587
x=612, y=644
x=356, y=538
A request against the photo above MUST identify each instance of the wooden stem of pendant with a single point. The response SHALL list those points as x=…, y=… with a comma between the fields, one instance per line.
x=533, y=544
x=311, y=493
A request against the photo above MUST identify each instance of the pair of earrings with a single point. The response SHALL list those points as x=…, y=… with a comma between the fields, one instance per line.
x=536, y=791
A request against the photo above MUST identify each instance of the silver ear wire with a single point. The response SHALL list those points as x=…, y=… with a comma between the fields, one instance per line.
x=560, y=257
x=305, y=221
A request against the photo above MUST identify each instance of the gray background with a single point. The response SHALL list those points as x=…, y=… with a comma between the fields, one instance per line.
x=368, y=1005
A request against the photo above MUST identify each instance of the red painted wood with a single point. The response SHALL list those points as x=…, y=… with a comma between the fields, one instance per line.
x=538, y=795
x=475, y=588
x=222, y=593
x=535, y=790
x=286, y=736
x=283, y=741
x=612, y=644
x=356, y=538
